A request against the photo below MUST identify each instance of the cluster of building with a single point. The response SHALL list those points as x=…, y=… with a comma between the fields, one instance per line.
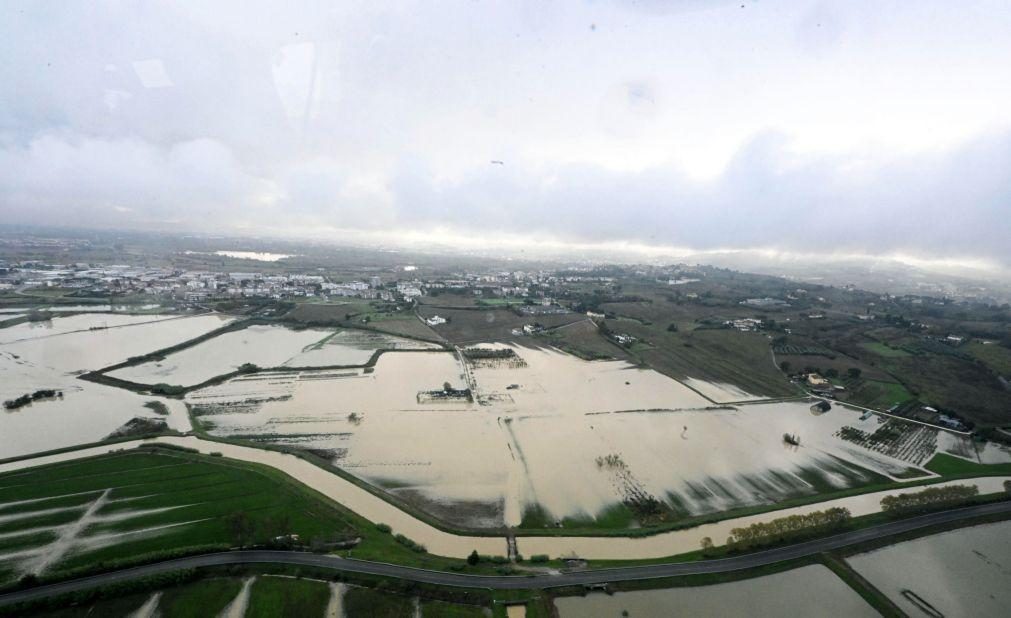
x=745, y=324
x=199, y=286
x=183, y=285
x=765, y=303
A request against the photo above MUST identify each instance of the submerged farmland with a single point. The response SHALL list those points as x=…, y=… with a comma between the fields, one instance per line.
x=481, y=437
x=264, y=346
x=771, y=595
x=959, y=573
x=87, y=411
x=545, y=439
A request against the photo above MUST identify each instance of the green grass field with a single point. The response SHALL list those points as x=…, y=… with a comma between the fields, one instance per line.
x=877, y=394
x=439, y=609
x=140, y=503
x=947, y=465
x=205, y=597
x=119, y=607
x=997, y=357
x=884, y=350
x=370, y=603
x=284, y=596
x=351, y=313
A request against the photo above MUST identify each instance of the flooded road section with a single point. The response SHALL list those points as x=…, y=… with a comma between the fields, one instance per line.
x=443, y=543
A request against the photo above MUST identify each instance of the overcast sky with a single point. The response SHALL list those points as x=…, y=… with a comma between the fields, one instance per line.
x=855, y=127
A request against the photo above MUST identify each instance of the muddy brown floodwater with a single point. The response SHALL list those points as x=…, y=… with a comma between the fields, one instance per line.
x=807, y=591
x=537, y=432
x=964, y=572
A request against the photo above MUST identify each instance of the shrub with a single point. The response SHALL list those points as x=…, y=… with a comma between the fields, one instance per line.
x=410, y=544
x=167, y=389
x=384, y=528
x=539, y=558
x=473, y=558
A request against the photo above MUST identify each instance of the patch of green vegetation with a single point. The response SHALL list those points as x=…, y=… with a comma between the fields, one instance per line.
x=995, y=356
x=536, y=516
x=882, y=349
x=878, y=394
x=157, y=407
x=283, y=596
x=201, y=598
x=26, y=541
x=440, y=609
x=948, y=465
x=118, y=607
x=615, y=516
x=377, y=604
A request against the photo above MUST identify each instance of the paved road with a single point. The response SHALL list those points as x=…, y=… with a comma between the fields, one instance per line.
x=501, y=582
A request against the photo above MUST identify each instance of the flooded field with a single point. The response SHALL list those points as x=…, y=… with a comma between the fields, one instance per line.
x=353, y=347
x=964, y=572
x=73, y=323
x=264, y=346
x=807, y=591
x=86, y=412
x=545, y=438
x=967, y=448
x=721, y=392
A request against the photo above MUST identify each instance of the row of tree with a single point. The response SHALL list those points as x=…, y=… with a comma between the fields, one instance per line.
x=24, y=400
x=786, y=529
x=929, y=498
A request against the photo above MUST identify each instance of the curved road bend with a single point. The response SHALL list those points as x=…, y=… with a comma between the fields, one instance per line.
x=501, y=582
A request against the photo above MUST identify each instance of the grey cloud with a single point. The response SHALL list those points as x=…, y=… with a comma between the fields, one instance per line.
x=955, y=204
x=385, y=117
x=938, y=205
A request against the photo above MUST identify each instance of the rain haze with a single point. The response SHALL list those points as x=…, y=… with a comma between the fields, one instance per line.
x=837, y=128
